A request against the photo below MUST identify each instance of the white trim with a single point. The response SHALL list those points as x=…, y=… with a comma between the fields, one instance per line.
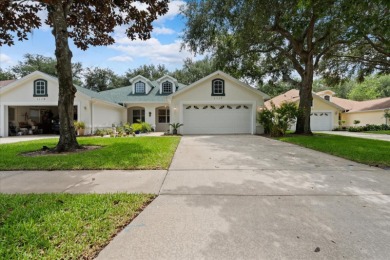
x=227, y=76
x=238, y=102
x=364, y=111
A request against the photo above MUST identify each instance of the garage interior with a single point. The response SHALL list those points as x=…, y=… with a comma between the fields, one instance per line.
x=29, y=120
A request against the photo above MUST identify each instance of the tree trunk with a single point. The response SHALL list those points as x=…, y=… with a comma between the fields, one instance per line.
x=67, y=91
x=305, y=100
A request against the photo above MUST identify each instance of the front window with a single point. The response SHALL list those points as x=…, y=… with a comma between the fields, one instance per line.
x=140, y=87
x=327, y=97
x=167, y=87
x=218, y=87
x=138, y=115
x=40, y=88
x=163, y=116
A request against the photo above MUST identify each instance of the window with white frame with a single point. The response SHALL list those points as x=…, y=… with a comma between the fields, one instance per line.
x=218, y=87
x=140, y=87
x=167, y=87
x=40, y=88
x=163, y=116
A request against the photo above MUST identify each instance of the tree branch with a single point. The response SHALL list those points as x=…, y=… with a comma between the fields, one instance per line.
x=376, y=46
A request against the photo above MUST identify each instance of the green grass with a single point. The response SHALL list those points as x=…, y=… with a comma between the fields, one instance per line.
x=383, y=132
x=116, y=153
x=63, y=226
x=371, y=152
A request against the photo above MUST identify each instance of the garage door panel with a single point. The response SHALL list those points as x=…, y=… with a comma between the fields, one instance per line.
x=321, y=121
x=221, y=119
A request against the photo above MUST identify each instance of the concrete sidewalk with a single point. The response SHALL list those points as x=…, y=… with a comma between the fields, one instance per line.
x=381, y=137
x=81, y=181
x=249, y=197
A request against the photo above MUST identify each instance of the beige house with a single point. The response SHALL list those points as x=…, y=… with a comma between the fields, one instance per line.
x=216, y=104
x=328, y=111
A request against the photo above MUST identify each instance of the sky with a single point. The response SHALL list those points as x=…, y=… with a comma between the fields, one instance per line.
x=163, y=47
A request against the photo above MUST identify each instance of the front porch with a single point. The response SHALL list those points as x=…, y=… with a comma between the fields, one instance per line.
x=157, y=115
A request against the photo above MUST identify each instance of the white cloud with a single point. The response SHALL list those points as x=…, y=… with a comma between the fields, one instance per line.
x=173, y=11
x=121, y=58
x=152, y=50
x=163, y=30
x=6, y=60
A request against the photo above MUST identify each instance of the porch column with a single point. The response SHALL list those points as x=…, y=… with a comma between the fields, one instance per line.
x=2, y=121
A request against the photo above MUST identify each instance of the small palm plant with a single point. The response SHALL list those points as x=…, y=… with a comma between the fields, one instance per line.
x=175, y=126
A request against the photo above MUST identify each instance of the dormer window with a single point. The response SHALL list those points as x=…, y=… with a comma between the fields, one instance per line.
x=140, y=87
x=167, y=87
x=40, y=88
x=327, y=98
x=218, y=87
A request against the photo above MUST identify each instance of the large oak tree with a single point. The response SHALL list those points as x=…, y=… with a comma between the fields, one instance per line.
x=281, y=39
x=87, y=23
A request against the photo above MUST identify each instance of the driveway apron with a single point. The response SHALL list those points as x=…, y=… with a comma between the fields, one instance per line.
x=249, y=197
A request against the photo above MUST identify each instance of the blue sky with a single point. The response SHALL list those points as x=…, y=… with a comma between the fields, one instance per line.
x=162, y=48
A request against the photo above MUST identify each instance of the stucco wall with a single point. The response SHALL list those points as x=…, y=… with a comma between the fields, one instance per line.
x=201, y=94
x=369, y=117
x=105, y=115
x=319, y=104
x=21, y=95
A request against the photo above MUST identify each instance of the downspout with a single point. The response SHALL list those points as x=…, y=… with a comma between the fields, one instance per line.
x=92, y=127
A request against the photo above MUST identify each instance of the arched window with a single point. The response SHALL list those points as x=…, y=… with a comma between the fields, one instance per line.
x=218, y=87
x=40, y=88
x=140, y=87
x=327, y=97
x=167, y=87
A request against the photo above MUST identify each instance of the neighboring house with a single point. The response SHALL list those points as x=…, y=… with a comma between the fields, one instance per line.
x=328, y=111
x=216, y=104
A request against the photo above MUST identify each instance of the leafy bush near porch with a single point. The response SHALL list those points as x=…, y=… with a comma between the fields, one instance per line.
x=277, y=120
x=141, y=127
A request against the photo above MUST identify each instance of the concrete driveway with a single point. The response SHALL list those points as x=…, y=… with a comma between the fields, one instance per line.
x=249, y=197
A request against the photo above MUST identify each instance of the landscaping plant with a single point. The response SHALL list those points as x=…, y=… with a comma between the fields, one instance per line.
x=277, y=120
x=175, y=127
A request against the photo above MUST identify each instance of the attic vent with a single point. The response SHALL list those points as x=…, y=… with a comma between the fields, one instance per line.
x=327, y=98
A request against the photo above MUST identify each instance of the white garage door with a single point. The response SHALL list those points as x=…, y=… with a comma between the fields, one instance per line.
x=321, y=121
x=217, y=119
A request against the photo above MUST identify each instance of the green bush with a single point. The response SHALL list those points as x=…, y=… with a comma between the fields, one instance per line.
x=368, y=127
x=141, y=127
x=102, y=132
x=277, y=120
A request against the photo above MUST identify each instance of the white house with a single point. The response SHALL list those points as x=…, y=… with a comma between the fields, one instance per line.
x=216, y=104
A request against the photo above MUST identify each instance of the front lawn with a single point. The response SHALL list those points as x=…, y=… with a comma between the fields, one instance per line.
x=371, y=152
x=63, y=226
x=116, y=153
x=383, y=132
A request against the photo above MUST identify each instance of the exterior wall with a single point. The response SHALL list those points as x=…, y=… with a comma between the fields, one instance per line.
x=321, y=106
x=368, y=117
x=201, y=94
x=104, y=115
x=21, y=96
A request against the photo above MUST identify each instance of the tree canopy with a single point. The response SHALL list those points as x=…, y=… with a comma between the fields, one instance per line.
x=86, y=23
x=279, y=38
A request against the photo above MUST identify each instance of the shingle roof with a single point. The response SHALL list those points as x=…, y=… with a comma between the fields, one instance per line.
x=125, y=95
x=349, y=105
x=357, y=106
x=290, y=96
x=4, y=83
